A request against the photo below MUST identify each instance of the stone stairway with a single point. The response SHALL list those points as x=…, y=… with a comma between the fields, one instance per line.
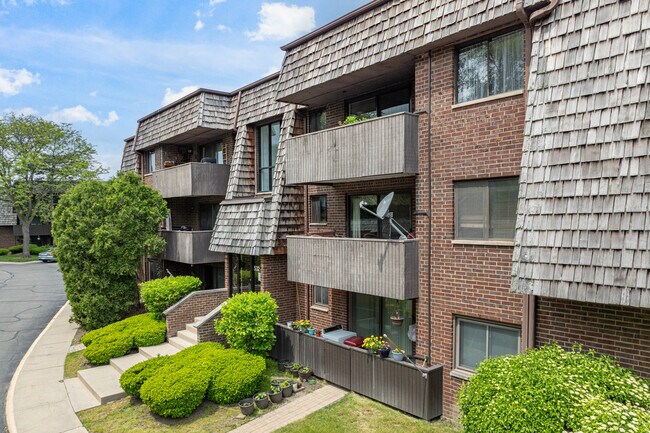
x=99, y=385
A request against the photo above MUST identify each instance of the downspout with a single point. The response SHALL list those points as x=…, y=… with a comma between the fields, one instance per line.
x=430, y=211
x=528, y=20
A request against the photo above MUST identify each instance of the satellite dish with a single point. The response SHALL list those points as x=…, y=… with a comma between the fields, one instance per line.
x=382, y=208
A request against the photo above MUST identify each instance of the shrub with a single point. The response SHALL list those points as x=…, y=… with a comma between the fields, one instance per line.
x=162, y=293
x=549, y=390
x=248, y=322
x=175, y=386
x=118, y=338
x=133, y=378
x=4, y=251
x=35, y=249
x=16, y=249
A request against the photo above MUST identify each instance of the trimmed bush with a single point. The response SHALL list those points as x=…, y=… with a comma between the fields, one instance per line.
x=549, y=390
x=248, y=322
x=35, y=249
x=162, y=293
x=16, y=249
x=4, y=251
x=133, y=378
x=175, y=386
x=118, y=338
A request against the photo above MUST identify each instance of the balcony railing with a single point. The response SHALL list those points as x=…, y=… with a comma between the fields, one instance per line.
x=194, y=179
x=190, y=247
x=378, y=267
x=397, y=384
x=381, y=148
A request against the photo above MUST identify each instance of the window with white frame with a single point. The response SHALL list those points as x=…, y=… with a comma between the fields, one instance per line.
x=321, y=296
x=477, y=340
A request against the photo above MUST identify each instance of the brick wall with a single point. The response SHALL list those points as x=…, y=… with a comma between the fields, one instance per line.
x=336, y=312
x=274, y=280
x=195, y=304
x=7, y=238
x=622, y=332
x=473, y=142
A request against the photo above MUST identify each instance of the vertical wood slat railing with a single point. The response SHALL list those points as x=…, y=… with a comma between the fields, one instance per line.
x=396, y=384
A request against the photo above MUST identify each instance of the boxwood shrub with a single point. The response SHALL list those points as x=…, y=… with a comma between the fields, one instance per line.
x=16, y=249
x=550, y=390
x=33, y=249
x=162, y=293
x=118, y=338
x=175, y=386
x=4, y=251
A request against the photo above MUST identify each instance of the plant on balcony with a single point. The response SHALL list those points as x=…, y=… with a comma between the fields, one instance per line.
x=248, y=322
x=162, y=293
x=261, y=400
x=374, y=343
x=354, y=118
x=552, y=390
x=397, y=354
x=302, y=325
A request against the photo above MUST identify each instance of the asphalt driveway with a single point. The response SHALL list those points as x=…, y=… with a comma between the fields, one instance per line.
x=30, y=295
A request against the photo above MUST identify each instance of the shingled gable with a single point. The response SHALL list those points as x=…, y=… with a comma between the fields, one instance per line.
x=128, y=155
x=248, y=223
x=584, y=202
x=7, y=216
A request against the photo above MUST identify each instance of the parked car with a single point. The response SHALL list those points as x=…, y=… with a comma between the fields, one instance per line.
x=47, y=256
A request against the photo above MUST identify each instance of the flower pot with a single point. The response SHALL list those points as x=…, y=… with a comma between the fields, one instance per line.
x=287, y=366
x=276, y=382
x=311, y=331
x=276, y=397
x=295, y=372
x=289, y=324
x=397, y=356
x=384, y=353
x=318, y=332
x=262, y=403
x=397, y=320
x=246, y=406
x=305, y=375
x=287, y=391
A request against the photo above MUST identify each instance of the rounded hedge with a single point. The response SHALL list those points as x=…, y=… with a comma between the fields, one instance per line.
x=175, y=386
x=16, y=249
x=4, y=251
x=118, y=338
x=549, y=390
x=162, y=293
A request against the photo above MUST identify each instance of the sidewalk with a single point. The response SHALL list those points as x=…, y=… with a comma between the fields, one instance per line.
x=37, y=400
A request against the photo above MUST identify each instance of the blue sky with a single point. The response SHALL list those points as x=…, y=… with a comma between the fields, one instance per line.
x=102, y=64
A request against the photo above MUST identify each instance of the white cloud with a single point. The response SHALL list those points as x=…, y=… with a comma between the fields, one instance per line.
x=223, y=28
x=93, y=93
x=216, y=2
x=12, y=80
x=80, y=114
x=171, y=96
x=279, y=21
x=25, y=111
x=199, y=25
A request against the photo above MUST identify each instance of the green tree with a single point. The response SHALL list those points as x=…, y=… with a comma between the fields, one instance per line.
x=102, y=230
x=39, y=160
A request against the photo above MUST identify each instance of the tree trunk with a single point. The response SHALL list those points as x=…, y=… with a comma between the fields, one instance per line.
x=25, y=228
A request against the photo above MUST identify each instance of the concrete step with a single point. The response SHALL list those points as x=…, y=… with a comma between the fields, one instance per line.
x=80, y=396
x=103, y=383
x=180, y=343
x=198, y=319
x=188, y=336
x=190, y=328
x=161, y=349
x=123, y=363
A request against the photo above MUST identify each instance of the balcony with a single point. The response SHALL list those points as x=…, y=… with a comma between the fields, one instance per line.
x=190, y=247
x=381, y=148
x=194, y=179
x=378, y=267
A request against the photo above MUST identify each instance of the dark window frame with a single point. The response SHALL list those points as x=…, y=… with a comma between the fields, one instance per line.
x=489, y=325
x=258, y=149
x=318, y=300
x=322, y=209
x=316, y=114
x=377, y=95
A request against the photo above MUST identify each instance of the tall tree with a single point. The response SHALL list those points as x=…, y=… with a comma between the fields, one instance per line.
x=39, y=161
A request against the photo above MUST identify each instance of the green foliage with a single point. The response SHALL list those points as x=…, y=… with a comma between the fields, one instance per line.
x=175, y=386
x=355, y=118
x=16, y=249
x=133, y=378
x=102, y=230
x=39, y=161
x=549, y=390
x=162, y=293
x=118, y=338
x=4, y=251
x=248, y=322
x=33, y=249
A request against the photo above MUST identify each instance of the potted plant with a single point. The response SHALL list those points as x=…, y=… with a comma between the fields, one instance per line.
x=295, y=369
x=312, y=331
x=305, y=373
x=275, y=394
x=384, y=351
x=373, y=343
x=318, y=333
x=397, y=318
x=398, y=354
x=261, y=400
x=246, y=406
x=297, y=386
x=287, y=389
x=286, y=366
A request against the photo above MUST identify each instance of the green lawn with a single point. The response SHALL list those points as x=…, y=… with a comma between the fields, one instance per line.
x=355, y=413
x=73, y=363
x=18, y=258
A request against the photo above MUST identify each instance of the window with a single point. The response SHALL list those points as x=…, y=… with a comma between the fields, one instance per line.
x=362, y=224
x=213, y=150
x=486, y=210
x=207, y=215
x=320, y=296
x=154, y=270
x=319, y=209
x=268, y=139
x=245, y=273
x=214, y=277
x=383, y=104
x=490, y=67
x=317, y=120
x=149, y=162
x=477, y=340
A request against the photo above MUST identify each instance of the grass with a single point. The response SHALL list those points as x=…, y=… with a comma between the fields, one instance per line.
x=74, y=362
x=131, y=415
x=356, y=414
x=18, y=258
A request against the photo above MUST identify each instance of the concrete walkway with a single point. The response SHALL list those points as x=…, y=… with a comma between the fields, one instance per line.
x=293, y=411
x=37, y=400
